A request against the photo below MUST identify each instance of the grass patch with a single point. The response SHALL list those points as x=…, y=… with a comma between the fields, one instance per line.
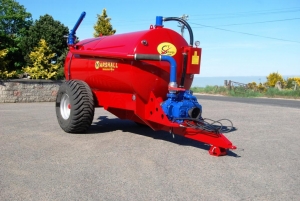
x=244, y=93
x=248, y=93
x=210, y=90
x=286, y=93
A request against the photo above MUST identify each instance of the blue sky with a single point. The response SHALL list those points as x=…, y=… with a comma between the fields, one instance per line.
x=238, y=38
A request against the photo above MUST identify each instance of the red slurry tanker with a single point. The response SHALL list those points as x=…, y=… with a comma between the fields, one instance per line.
x=142, y=76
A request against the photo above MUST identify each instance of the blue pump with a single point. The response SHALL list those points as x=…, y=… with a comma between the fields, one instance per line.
x=182, y=105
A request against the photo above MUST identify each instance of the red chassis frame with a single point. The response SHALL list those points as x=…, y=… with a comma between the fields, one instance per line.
x=127, y=106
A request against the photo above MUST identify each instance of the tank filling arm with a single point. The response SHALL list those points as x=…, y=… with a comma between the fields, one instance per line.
x=72, y=37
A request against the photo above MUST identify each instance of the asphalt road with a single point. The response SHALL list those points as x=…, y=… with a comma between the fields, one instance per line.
x=118, y=160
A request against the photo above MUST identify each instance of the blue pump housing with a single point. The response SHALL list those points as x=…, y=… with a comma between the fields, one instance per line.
x=181, y=105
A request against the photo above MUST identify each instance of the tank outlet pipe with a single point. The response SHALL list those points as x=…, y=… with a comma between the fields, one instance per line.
x=72, y=37
x=158, y=57
x=185, y=24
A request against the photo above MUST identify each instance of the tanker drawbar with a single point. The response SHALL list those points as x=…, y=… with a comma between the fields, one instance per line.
x=142, y=76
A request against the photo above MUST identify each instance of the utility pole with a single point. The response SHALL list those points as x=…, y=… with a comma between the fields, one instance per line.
x=182, y=27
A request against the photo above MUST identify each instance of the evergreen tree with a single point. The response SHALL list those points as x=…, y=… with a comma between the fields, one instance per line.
x=49, y=29
x=42, y=66
x=103, y=26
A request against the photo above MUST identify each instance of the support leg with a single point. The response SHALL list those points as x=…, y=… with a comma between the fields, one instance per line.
x=217, y=151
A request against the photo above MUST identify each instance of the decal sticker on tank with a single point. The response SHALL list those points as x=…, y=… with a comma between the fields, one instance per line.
x=166, y=49
x=106, y=65
x=195, y=58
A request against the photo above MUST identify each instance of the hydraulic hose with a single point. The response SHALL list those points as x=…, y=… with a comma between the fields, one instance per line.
x=185, y=23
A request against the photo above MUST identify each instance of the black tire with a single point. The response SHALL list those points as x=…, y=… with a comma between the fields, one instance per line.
x=75, y=106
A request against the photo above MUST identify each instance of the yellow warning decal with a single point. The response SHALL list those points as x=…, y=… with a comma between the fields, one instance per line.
x=105, y=65
x=195, y=58
x=166, y=48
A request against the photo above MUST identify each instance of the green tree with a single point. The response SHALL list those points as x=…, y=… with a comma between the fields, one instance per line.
x=14, y=21
x=49, y=29
x=42, y=66
x=60, y=62
x=272, y=78
x=103, y=26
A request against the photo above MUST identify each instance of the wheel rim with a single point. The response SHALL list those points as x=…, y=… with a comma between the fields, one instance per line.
x=65, y=106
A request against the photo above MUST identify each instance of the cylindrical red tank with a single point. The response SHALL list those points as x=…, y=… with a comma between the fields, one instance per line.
x=127, y=75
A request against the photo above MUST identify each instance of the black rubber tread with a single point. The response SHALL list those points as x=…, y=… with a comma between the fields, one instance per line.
x=82, y=106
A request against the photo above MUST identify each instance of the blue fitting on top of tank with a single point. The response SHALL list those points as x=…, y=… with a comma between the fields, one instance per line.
x=159, y=21
x=173, y=67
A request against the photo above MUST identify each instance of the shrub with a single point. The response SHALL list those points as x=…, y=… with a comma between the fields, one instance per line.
x=273, y=78
x=60, y=73
x=4, y=74
x=42, y=67
x=290, y=82
x=252, y=85
x=261, y=88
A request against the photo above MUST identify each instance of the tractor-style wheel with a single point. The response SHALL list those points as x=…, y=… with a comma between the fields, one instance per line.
x=75, y=106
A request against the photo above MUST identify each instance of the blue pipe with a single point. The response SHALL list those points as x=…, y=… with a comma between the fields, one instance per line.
x=72, y=37
x=173, y=66
x=158, y=57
